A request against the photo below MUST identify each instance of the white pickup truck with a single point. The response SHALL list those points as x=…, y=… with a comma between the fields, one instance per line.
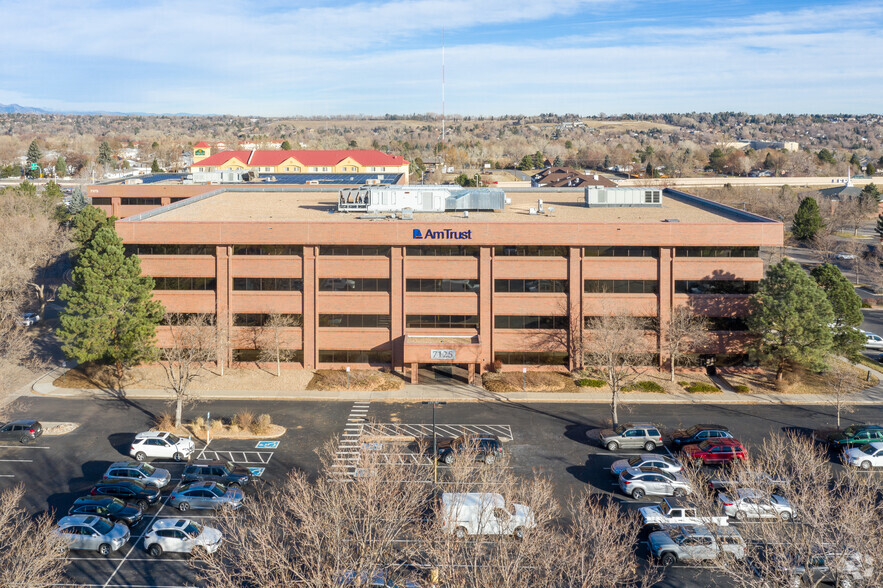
x=671, y=511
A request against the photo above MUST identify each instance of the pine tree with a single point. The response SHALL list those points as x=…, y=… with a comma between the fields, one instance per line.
x=86, y=223
x=846, y=304
x=790, y=317
x=61, y=166
x=78, y=201
x=110, y=314
x=871, y=169
x=557, y=162
x=34, y=153
x=105, y=154
x=879, y=228
x=807, y=220
x=154, y=167
x=286, y=146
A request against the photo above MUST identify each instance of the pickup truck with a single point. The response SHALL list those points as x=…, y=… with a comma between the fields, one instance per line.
x=672, y=511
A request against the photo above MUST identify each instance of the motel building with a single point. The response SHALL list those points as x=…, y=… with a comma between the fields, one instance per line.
x=443, y=279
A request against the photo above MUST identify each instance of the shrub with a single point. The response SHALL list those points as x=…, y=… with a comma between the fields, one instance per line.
x=198, y=423
x=644, y=386
x=233, y=428
x=216, y=425
x=498, y=366
x=699, y=387
x=741, y=388
x=590, y=383
x=244, y=419
x=684, y=383
x=261, y=425
x=165, y=422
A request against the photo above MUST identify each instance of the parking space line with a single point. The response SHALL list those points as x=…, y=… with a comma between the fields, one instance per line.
x=25, y=447
x=134, y=545
x=18, y=460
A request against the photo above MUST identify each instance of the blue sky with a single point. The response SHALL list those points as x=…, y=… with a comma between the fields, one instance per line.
x=325, y=57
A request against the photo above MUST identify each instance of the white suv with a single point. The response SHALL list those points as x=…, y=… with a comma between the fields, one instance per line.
x=160, y=444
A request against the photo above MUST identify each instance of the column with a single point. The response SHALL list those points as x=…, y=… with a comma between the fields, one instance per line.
x=310, y=317
x=486, y=306
x=223, y=287
x=414, y=370
x=397, y=305
x=666, y=294
x=575, y=308
x=116, y=207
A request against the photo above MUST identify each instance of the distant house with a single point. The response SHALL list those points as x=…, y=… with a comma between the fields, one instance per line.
x=565, y=177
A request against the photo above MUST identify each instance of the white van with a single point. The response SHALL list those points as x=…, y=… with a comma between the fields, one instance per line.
x=483, y=513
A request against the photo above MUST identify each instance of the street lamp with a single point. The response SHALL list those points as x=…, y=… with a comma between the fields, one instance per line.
x=524, y=379
x=433, y=404
x=347, y=377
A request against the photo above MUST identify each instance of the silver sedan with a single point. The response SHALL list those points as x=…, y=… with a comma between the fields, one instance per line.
x=646, y=460
x=746, y=503
x=205, y=495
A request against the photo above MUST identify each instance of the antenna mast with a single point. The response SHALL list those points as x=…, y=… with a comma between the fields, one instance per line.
x=443, y=102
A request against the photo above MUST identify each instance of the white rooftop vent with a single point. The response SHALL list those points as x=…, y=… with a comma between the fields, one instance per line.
x=622, y=197
x=532, y=211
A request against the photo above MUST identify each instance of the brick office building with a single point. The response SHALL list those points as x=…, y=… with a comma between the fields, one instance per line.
x=462, y=288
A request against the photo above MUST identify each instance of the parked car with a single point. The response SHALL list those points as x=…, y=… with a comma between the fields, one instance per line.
x=777, y=484
x=844, y=256
x=221, y=471
x=695, y=543
x=205, y=495
x=379, y=579
x=129, y=490
x=136, y=470
x=108, y=507
x=672, y=511
x=483, y=513
x=486, y=447
x=92, y=533
x=159, y=445
x=638, y=482
x=28, y=319
x=23, y=430
x=866, y=457
x=873, y=340
x=180, y=536
x=697, y=434
x=646, y=460
x=844, y=569
x=747, y=503
x=715, y=451
x=853, y=435
x=631, y=436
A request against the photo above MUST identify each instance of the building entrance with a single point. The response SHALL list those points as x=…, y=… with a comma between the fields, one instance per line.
x=443, y=373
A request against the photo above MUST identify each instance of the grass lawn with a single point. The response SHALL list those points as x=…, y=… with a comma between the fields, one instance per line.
x=797, y=381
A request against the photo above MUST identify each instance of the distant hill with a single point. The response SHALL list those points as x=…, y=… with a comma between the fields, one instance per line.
x=17, y=109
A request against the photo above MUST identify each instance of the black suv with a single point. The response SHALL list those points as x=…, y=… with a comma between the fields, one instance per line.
x=128, y=490
x=487, y=447
x=699, y=433
x=221, y=471
x=108, y=507
x=23, y=431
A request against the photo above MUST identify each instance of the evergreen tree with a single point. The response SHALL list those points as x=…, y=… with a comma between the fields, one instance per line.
x=879, y=227
x=716, y=160
x=526, y=163
x=105, y=154
x=789, y=317
x=769, y=162
x=154, y=166
x=286, y=146
x=34, y=153
x=78, y=201
x=854, y=160
x=826, y=156
x=557, y=161
x=86, y=224
x=871, y=169
x=871, y=190
x=538, y=159
x=807, y=220
x=846, y=304
x=607, y=163
x=61, y=166
x=110, y=314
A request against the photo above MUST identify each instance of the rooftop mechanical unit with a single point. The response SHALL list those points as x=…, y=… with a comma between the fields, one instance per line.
x=385, y=198
x=598, y=196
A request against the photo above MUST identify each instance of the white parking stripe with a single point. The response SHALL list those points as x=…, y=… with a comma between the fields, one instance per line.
x=149, y=524
x=24, y=447
x=18, y=460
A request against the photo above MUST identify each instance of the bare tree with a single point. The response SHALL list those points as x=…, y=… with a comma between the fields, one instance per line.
x=191, y=346
x=843, y=380
x=824, y=246
x=685, y=331
x=614, y=348
x=29, y=547
x=271, y=338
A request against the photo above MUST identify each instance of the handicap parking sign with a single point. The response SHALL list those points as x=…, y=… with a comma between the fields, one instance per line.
x=267, y=445
x=256, y=471
x=372, y=446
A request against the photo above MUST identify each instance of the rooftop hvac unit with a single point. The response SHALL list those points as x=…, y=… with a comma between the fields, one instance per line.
x=622, y=197
x=374, y=197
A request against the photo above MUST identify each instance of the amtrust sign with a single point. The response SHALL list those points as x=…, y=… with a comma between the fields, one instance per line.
x=442, y=234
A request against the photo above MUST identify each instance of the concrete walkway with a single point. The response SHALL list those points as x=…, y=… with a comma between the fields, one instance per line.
x=458, y=392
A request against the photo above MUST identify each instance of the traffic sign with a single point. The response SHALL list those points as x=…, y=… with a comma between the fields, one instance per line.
x=256, y=471
x=267, y=445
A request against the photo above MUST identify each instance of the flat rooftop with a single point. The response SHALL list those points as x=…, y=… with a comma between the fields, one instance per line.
x=304, y=205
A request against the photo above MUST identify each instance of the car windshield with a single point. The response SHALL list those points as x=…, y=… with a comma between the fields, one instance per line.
x=217, y=490
x=635, y=461
x=193, y=529
x=147, y=469
x=172, y=439
x=229, y=465
x=664, y=508
x=705, y=446
x=869, y=449
x=102, y=526
x=619, y=429
x=114, y=504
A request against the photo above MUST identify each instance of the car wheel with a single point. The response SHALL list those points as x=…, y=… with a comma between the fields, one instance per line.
x=104, y=549
x=649, y=446
x=460, y=533
x=638, y=494
x=449, y=458
x=785, y=515
x=490, y=458
x=184, y=506
x=178, y=456
x=844, y=583
x=518, y=533
x=866, y=465
x=155, y=550
x=612, y=445
x=680, y=492
x=140, y=456
x=669, y=559
x=143, y=505
x=740, y=516
x=24, y=439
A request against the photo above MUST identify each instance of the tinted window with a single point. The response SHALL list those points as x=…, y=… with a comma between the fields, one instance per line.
x=103, y=526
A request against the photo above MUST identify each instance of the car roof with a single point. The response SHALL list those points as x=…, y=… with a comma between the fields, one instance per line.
x=479, y=436
x=191, y=485
x=642, y=425
x=125, y=464
x=89, y=499
x=152, y=435
x=723, y=441
x=876, y=444
x=694, y=530
x=169, y=523
x=472, y=498
x=121, y=482
x=23, y=422
x=78, y=520
x=202, y=462
x=708, y=428
x=748, y=493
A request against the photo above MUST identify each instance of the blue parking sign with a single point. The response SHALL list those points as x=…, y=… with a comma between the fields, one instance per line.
x=256, y=471
x=267, y=445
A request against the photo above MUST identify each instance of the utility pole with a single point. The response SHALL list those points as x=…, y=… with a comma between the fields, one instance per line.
x=433, y=404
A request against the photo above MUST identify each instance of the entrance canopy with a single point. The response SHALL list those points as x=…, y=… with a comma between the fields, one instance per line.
x=437, y=349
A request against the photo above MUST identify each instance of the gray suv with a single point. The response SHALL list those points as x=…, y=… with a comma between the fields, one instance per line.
x=23, y=431
x=695, y=543
x=632, y=436
x=638, y=482
x=92, y=533
x=135, y=470
x=221, y=471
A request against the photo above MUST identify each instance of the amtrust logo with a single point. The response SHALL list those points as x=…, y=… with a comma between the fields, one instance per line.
x=442, y=234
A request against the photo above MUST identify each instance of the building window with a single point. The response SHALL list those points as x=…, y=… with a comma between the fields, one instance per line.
x=529, y=322
x=715, y=287
x=173, y=200
x=530, y=358
x=530, y=251
x=354, y=356
x=268, y=250
x=621, y=286
x=643, y=323
x=442, y=251
x=442, y=321
x=101, y=201
x=371, y=250
x=354, y=285
x=167, y=249
x=182, y=318
x=717, y=252
x=261, y=320
x=441, y=285
x=183, y=283
x=607, y=251
x=269, y=284
x=530, y=286
x=726, y=323
x=370, y=321
x=141, y=201
x=286, y=355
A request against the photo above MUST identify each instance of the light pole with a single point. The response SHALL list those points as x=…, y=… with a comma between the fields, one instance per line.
x=524, y=379
x=433, y=404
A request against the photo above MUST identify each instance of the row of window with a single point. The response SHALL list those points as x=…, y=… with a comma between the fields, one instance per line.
x=530, y=322
x=622, y=286
x=268, y=250
x=183, y=318
x=715, y=287
x=162, y=249
x=530, y=358
x=286, y=355
x=354, y=356
x=441, y=285
x=442, y=251
x=354, y=320
x=442, y=321
x=717, y=251
x=269, y=284
x=530, y=251
x=530, y=285
x=165, y=283
x=354, y=285
x=141, y=201
x=605, y=251
x=262, y=320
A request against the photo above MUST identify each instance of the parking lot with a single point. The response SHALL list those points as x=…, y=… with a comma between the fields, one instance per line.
x=548, y=438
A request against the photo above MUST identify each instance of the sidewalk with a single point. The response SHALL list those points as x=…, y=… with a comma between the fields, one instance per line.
x=459, y=392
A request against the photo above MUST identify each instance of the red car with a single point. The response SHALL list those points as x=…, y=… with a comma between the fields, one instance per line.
x=716, y=451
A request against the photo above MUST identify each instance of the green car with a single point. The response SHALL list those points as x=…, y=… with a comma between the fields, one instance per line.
x=856, y=435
